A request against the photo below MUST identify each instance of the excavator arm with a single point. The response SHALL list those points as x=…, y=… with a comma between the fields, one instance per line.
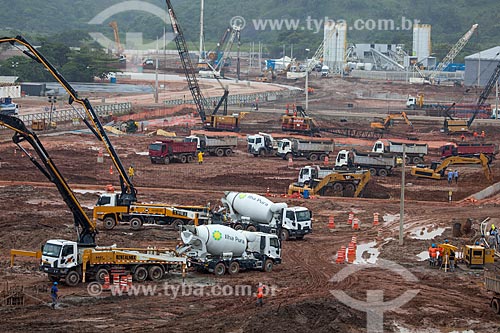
x=85, y=227
x=128, y=192
x=441, y=168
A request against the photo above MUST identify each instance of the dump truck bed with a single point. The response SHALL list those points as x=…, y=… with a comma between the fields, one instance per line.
x=492, y=280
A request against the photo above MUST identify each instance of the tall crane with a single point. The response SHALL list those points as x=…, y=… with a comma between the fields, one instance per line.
x=215, y=122
x=221, y=53
x=455, y=50
x=119, y=47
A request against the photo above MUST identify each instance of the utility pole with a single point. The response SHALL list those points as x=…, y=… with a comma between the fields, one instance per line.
x=260, y=58
x=200, y=59
x=496, y=100
x=307, y=81
x=402, y=200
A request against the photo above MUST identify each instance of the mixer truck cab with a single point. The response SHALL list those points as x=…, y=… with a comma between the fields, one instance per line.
x=220, y=249
x=254, y=212
x=59, y=257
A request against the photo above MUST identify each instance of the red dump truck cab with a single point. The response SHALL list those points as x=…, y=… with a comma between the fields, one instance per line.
x=469, y=149
x=166, y=151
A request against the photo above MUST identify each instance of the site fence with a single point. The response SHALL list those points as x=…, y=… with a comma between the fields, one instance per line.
x=403, y=76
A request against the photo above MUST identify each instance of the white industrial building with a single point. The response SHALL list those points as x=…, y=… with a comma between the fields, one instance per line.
x=480, y=66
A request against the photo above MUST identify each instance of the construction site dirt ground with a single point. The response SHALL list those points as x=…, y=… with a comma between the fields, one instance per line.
x=305, y=291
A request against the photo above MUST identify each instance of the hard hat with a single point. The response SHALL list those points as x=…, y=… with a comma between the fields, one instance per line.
x=55, y=283
x=433, y=245
x=446, y=241
x=492, y=226
x=477, y=243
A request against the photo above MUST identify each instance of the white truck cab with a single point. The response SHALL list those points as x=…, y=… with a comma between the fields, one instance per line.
x=284, y=147
x=59, y=256
x=261, y=144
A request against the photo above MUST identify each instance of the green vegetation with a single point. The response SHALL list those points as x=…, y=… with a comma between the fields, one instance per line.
x=449, y=20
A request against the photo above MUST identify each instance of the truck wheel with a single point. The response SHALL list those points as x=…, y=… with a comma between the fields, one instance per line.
x=219, y=152
x=184, y=159
x=262, y=153
x=268, y=266
x=417, y=160
x=228, y=152
x=190, y=158
x=238, y=226
x=135, y=223
x=383, y=173
x=140, y=274
x=251, y=228
x=337, y=187
x=407, y=159
x=72, y=279
x=495, y=305
x=288, y=156
x=177, y=223
x=373, y=172
x=155, y=273
x=322, y=157
x=101, y=273
x=313, y=157
x=350, y=188
x=166, y=160
x=284, y=235
x=234, y=268
x=109, y=223
x=153, y=161
x=220, y=269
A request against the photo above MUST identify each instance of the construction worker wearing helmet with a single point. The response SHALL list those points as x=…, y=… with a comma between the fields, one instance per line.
x=493, y=238
x=432, y=255
x=53, y=294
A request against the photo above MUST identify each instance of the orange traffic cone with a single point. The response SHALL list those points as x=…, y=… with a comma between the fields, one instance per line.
x=351, y=253
x=290, y=162
x=351, y=216
x=375, y=219
x=124, y=283
x=106, y=285
x=341, y=255
x=355, y=224
x=331, y=223
x=111, y=170
x=354, y=241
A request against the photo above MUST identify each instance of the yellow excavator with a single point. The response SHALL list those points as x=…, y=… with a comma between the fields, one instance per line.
x=389, y=120
x=438, y=168
x=345, y=183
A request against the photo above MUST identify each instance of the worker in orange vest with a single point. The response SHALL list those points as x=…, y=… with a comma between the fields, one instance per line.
x=260, y=294
x=475, y=135
x=432, y=255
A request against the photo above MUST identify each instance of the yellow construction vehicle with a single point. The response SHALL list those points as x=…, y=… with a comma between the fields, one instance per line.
x=389, y=120
x=476, y=256
x=345, y=183
x=438, y=168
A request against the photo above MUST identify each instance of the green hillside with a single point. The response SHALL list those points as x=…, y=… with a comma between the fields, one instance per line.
x=449, y=20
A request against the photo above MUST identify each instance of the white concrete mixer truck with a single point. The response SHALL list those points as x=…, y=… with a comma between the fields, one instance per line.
x=254, y=212
x=219, y=249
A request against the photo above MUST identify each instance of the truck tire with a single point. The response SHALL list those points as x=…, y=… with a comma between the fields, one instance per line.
x=417, y=160
x=495, y=305
x=407, y=159
x=190, y=159
x=262, y=153
x=72, y=279
x=228, y=152
x=350, y=188
x=284, y=235
x=313, y=157
x=153, y=161
x=373, y=172
x=322, y=157
x=109, y=223
x=155, y=273
x=268, y=266
x=234, y=268
x=219, y=152
x=337, y=187
x=135, y=223
x=140, y=274
x=251, y=228
x=238, y=226
x=184, y=159
x=288, y=156
x=220, y=269
x=177, y=223
x=101, y=273
x=166, y=160
x=383, y=173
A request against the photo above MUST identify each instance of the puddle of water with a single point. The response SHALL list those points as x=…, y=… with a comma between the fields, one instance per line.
x=424, y=234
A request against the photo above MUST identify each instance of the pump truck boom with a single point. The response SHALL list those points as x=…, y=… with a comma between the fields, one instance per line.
x=116, y=207
x=81, y=260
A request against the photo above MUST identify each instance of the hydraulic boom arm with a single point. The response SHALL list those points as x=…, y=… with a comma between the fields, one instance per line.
x=85, y=227
x=128, y=192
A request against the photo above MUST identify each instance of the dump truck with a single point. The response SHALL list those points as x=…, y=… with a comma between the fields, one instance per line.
x=214, y=145
x=111, y=213
x=219, y=249
x=261, y=144
x=166, y=151
x=254, y=212
x=313, y=150
x=469, y=150
x=75, y=263
x=381, y=164
x=492, y=283
x=333, y=183
x=415, y=152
